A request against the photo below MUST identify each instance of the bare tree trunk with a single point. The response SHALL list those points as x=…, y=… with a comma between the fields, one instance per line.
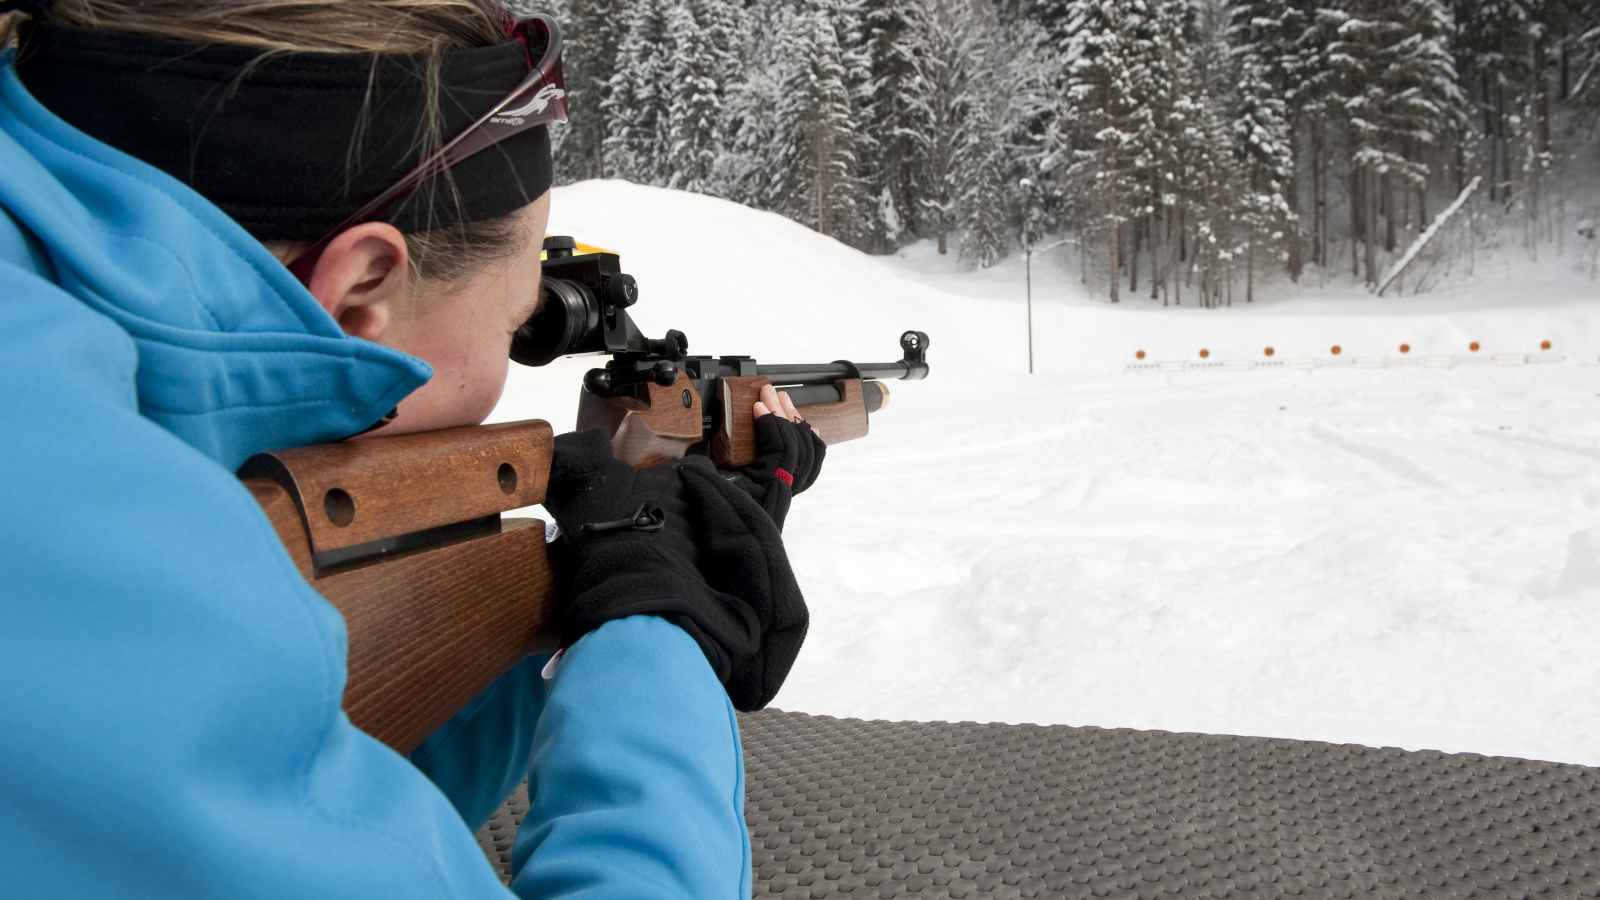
x=1505, y=147
x=1083, y=248
x=1357, y=216
x=1541, y=94
x=1405, y=209
x=1177, y=274
x=1169, y=252
x=1490, y=161
x=1318, y=250
x=822, y=190
x=1372, y=225
x=1155, y=244
x=1250, y=250
x=942, y=167
x=1133, y=256
x=1116, y=237
x=1250, y=269
x=1565, y=84
x=1291, y=229
x=1388, y=212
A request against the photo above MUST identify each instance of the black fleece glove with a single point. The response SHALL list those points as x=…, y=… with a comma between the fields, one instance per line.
x=681, y=542
x=790, y=459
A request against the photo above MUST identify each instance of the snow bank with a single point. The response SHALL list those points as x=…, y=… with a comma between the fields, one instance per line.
x=1407, y=557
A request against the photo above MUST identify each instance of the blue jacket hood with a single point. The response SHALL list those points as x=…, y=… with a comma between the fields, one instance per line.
x=232, y=358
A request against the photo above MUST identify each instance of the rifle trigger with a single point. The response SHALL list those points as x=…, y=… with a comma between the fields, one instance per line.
x=648, y=517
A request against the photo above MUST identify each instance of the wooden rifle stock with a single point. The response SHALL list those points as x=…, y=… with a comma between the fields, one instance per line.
x=403, y=535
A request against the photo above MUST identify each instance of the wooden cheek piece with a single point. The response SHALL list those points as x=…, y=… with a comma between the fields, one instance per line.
x=432, y=626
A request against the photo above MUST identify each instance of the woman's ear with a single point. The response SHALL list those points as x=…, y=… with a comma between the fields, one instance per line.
x=361, y=277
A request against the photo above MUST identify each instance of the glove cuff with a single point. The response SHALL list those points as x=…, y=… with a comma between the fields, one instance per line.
x=638, y=578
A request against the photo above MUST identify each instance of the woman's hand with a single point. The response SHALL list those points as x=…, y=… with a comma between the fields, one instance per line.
x=788, y=459
x=681, y=542
x=776, y=401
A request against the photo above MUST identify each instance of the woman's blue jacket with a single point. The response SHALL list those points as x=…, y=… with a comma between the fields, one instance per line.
x=170, y=722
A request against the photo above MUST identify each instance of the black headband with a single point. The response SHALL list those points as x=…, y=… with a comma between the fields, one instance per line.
x=290, y=144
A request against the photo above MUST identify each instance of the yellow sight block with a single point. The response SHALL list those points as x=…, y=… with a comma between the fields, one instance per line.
x=583, y=248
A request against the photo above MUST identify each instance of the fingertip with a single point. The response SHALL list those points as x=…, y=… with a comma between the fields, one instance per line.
x=761, y=409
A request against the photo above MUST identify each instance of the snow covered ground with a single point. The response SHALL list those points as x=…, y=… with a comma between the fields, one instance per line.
x=1406, y=556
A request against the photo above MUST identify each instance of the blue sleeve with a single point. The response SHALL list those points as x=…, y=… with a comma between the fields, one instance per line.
x=170, y=688
x=636, y=783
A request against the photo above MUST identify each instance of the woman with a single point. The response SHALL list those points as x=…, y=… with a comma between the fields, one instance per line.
x=169, y=685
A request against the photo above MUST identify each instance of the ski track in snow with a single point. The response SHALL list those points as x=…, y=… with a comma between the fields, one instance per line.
x=1405, y=557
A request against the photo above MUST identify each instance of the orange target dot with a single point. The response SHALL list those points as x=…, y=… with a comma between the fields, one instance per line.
x=1405, y=348
x=1139, y=355
x=1473, y=346
x=1267, y=351
x=1544, y=345
x=1204, y=353
x=1336, y=351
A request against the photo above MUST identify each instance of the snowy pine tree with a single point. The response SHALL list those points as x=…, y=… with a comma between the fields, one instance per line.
x=1261, y=141
x=1210, y=168
x=1398, y=92
x=1112, y=48
x=1180, y=139
x=981, y=188
x=695, y=111
x=895, y=115
x=638, y=102
x=1268, y=35
x=816, y=126
x=593, y=31
x=952, y=44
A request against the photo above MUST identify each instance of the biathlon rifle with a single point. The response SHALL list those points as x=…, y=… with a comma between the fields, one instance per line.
x=658, y=402
x=404, y=534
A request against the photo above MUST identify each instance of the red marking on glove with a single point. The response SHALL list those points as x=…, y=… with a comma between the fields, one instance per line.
x=785, y=477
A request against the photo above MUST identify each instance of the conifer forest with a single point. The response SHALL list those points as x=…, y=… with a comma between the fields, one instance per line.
x=1182, y=150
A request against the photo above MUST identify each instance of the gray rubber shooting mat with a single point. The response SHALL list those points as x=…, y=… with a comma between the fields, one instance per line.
x=848, y=808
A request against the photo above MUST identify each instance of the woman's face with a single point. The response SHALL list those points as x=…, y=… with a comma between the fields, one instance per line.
x=464, y=331
x=462, y=328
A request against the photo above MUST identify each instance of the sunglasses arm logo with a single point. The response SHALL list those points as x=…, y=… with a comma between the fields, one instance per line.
x=535, y=105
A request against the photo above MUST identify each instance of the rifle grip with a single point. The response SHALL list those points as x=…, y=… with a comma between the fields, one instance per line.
x=648, y=431
x=734, y=444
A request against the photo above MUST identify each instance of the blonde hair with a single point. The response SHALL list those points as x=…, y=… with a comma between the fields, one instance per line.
x=423, y=27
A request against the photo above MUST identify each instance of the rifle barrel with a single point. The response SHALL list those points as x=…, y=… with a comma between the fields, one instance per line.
x=823, y=373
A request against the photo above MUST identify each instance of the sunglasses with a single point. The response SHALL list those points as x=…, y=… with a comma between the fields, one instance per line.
x=538, y=100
